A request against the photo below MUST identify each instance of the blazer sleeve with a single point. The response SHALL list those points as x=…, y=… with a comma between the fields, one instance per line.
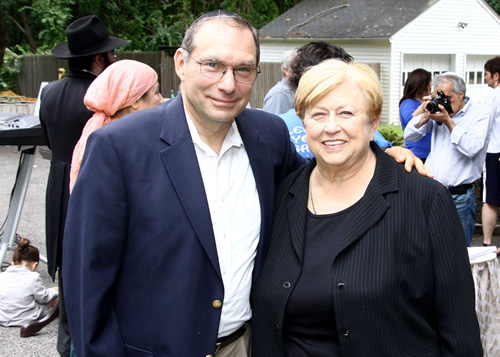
x=94, y=242
x=42, y=120
x=454, y=288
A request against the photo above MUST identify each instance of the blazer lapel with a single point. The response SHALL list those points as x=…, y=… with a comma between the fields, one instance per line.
x=181, y=165
x=260, y=159
x=374, y=205
x=297, y=209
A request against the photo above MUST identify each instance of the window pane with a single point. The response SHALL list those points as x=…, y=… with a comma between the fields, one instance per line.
x=471, y=78
x=479, y=77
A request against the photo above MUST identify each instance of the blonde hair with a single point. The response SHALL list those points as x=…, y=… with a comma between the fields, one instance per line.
x=319, y=80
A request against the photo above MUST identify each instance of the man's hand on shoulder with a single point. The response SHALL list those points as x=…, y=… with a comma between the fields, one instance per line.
x=403, y=155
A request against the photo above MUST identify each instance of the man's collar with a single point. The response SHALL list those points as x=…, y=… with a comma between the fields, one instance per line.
x=232, y=138
x=467, y=104
x=83, y=73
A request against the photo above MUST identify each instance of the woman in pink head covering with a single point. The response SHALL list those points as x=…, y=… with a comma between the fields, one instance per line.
x=124, y=87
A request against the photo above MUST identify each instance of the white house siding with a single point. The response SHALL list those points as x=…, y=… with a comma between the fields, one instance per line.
x=437, y=32
x=365, y=51
x=477, y=88
x=272, y=50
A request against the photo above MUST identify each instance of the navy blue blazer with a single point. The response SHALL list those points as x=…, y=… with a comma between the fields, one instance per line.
x=140, y=262
x=401, y=283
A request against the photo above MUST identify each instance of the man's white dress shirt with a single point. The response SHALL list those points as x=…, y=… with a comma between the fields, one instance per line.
x=235, y=211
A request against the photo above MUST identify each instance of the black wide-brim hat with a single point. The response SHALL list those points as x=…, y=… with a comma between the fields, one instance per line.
x=87, y=36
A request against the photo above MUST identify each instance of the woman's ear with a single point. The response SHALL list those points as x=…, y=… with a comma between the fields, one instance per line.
x=135, y=106
x=374, y=125
x=496, y=77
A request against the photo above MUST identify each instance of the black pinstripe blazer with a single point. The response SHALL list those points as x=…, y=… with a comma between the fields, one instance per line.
x=401, y=284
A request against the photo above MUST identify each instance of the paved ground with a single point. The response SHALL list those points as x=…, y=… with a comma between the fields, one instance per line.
x=32, y=226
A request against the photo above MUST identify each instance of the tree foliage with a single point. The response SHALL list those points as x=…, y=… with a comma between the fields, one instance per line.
x=38, y=25
x=495, y=4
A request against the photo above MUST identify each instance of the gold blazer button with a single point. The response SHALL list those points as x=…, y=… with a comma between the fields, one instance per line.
x=217, y=304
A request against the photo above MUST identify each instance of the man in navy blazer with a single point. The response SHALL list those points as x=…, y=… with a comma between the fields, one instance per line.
x=155, y=261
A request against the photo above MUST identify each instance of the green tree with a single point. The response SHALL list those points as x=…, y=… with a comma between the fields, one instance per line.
x=37, y=26
x=49, y=18
x=495, y=4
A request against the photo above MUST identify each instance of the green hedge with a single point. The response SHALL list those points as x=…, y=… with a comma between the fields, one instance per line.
x=392, y=133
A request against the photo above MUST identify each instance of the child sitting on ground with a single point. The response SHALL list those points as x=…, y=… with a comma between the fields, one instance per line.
x=24, y=301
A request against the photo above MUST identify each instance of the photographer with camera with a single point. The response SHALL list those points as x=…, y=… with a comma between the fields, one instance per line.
x=460, y=132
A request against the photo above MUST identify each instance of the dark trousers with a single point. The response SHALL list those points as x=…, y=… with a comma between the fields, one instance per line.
x=63, y=335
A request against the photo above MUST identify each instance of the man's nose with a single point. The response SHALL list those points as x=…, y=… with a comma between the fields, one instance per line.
x=227, y=82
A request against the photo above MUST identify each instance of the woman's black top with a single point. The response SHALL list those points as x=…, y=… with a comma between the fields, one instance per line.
x=309, y=326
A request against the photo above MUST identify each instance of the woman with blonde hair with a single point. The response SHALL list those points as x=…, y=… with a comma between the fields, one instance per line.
x=365, y=259
x=124, y=87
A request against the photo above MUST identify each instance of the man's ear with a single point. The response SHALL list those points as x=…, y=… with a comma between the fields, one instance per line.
x=97, y=64
x=287, y=73
x=179, y=63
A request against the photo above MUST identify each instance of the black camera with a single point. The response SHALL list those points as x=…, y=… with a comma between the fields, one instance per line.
x=433, y=105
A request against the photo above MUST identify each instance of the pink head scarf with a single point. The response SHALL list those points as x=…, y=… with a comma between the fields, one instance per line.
x=120, y=85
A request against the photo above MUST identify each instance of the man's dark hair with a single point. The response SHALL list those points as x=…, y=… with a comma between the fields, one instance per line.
x=312, y=54
x=493, y=65
x=85, y=62
x=81, y=63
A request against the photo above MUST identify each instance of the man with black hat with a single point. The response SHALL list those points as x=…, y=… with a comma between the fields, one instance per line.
x=63, y=115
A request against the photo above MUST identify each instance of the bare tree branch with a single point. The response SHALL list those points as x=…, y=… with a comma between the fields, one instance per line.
x=27, y=32
x=16, y=23
x=321, y=13
x=4, y=38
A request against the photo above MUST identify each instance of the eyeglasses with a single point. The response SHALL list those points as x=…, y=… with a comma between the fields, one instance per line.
x=215, y=70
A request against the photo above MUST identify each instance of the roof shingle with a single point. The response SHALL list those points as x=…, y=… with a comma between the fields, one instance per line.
x=345, y=19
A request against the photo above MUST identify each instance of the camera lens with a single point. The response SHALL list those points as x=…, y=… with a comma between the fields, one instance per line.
x=432, y=107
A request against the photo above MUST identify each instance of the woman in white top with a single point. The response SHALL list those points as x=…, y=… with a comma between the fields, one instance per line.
x=491, y=181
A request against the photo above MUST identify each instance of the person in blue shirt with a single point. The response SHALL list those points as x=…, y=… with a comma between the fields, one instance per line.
x=417, y=86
